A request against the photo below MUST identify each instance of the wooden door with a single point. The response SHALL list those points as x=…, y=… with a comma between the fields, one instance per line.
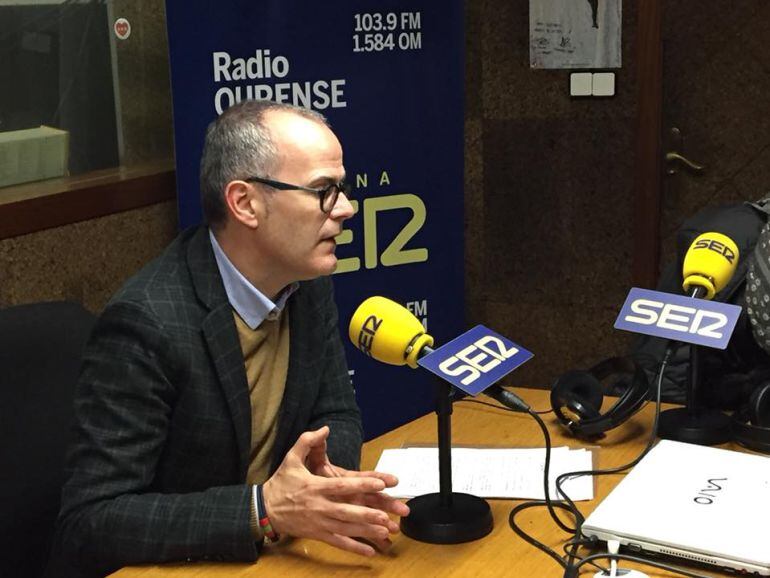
x=716, y=94
x=704, y=73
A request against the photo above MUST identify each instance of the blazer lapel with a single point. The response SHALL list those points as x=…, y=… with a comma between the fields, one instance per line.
x=222, y=339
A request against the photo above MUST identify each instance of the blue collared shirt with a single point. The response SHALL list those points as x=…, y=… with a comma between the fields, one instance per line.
x=249, y=302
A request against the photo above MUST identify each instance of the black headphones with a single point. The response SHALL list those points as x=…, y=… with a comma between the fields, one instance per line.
x=577, y=396
x=751, y=423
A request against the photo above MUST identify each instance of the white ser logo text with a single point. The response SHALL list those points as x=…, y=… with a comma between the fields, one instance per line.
x=677, y=318
x=471, y=359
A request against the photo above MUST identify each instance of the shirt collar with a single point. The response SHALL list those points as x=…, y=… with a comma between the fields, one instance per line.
x=249, y=302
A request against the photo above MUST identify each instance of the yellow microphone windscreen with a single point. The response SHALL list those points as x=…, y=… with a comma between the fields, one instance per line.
x=710, y=263
x=388, y=332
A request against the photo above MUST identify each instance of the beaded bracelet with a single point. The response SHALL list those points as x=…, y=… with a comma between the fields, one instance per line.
x=264, y=520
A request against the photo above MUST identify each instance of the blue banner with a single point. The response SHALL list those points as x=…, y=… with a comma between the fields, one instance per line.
x=475, y=360
x=389, y=77
x=707, y=323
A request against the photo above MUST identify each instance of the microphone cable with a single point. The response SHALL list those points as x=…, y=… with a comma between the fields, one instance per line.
x=619, y=469
x=496, y=406
x=548, y=502
x=573, y=561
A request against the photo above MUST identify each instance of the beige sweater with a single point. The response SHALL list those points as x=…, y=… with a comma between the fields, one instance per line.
x=266, y=358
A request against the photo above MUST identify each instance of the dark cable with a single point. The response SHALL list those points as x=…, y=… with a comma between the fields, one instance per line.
x=548, y=503
x=570, y=565
x=529, y=539
x=575, y=544
x=573, y=561
x=638, y=560
x=546, y=466
x=619, y=469
x=546, y=490
x=495, y=406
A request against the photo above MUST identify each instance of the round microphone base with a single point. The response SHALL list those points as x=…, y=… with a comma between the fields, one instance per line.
x=707, y=427
x=465, y=519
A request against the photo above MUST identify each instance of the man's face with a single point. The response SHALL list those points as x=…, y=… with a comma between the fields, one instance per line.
x=294, y=234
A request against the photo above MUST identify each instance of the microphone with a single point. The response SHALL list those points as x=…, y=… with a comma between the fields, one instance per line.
x=400, y=337
x=709, y=264
x=388, y=332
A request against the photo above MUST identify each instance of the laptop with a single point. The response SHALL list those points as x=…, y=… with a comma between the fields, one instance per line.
x=695, y=503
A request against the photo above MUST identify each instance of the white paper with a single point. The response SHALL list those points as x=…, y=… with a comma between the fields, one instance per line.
x=488, y=473
x=574, y=33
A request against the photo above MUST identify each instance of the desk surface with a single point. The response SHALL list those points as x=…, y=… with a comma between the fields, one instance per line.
x=502, y=553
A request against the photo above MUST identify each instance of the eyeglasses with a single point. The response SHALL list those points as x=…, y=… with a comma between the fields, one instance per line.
x=327, y=195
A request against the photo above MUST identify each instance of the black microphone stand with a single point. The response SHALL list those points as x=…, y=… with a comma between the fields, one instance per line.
x=446, y=517
x=694, y=424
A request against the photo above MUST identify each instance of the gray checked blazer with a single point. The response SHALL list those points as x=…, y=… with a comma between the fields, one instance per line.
x=161, y=446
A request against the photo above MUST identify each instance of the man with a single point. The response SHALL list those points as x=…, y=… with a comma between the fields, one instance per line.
x=214, y=407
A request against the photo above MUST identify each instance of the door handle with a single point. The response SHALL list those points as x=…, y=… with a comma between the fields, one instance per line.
x=673, y=158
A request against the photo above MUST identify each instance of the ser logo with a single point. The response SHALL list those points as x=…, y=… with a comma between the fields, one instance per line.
x=677, y=318
x=366, y=335
x=707, y=323
x=482, y=356
x=707, y=495
x=717, y=247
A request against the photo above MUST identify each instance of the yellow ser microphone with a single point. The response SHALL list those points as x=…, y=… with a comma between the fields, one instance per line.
x=709, y=264
x=388, y=332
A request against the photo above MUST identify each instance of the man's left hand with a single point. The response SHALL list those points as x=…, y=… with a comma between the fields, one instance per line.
x=318, y=464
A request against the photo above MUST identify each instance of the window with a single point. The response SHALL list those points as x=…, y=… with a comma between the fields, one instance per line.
x=85, y=95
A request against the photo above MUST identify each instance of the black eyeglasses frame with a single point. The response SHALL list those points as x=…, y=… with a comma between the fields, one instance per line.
x=327, y=196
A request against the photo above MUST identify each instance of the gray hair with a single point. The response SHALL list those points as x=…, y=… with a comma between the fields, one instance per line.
x=238, y=145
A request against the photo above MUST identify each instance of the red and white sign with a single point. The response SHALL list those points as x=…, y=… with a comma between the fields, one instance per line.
x=122, y=28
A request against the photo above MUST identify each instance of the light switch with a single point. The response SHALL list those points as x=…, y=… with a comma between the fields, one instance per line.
x=603, y=84
x=580, y=84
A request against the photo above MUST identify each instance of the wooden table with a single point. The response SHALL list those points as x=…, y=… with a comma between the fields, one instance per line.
x=502, y=553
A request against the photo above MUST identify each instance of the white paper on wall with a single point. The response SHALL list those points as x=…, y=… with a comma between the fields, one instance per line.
x=574, y=33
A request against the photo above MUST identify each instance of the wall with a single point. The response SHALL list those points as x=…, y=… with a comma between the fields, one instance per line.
x=85, y=262
x=548, y=197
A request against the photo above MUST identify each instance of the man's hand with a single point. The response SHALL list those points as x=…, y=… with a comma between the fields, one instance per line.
x=318, y=463
x=310, y=497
